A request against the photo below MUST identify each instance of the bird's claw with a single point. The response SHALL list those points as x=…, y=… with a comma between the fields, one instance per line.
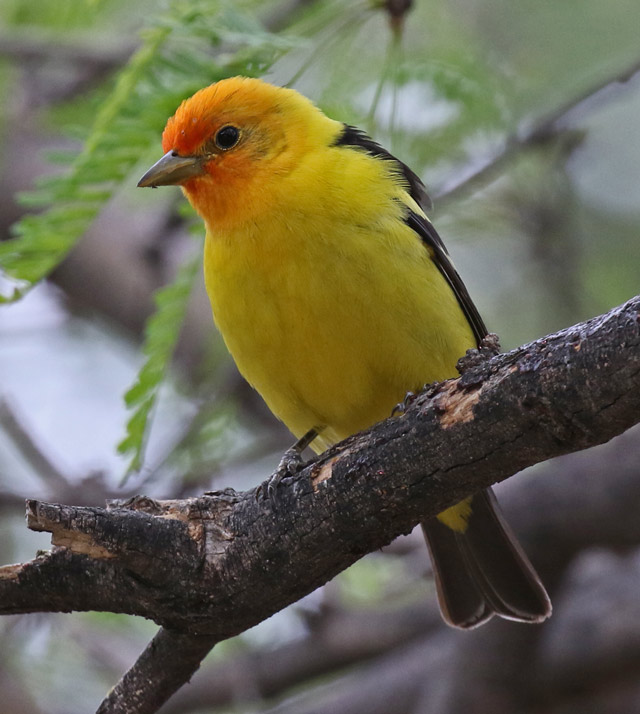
x=402, y=406
x=290, y=464
x=489, y=347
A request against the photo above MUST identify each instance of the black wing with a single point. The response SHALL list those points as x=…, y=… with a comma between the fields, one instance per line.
x=424, y=228
x=352, y=137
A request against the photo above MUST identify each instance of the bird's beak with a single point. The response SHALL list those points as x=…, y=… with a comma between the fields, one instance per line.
x=172, y=170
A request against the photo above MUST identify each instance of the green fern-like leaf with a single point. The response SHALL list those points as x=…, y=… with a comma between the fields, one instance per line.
x=176, y=58
x=74, y=200
x=161, y=334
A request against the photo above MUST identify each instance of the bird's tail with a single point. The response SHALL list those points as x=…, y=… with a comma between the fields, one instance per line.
x=482, y=570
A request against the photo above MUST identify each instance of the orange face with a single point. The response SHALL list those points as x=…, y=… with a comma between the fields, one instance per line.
x=235, y=133
x=229, y=145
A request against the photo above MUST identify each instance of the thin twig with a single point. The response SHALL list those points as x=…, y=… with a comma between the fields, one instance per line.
x=44, y=47
x=20, y=435
x=538, y=132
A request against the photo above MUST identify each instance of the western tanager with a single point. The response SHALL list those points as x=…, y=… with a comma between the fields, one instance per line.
x=335, y=295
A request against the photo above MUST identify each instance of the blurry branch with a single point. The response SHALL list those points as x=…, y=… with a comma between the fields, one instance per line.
x=86, y=61
x=20, y=435
x=195, y=565
x=17, y=695
x=541, y=131
x=336, y=640
x=44, y=47
x=72, y=487
x=390, y=684
x=569, y=664
x=599, y=587
x=10, y=501
x=96, y=54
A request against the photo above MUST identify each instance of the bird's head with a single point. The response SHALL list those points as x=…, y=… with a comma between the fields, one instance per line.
x=227, y=145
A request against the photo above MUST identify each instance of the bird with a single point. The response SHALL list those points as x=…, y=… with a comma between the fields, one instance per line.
x=336, y=296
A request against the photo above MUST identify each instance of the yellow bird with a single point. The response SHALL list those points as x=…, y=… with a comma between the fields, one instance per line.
x=336, y=296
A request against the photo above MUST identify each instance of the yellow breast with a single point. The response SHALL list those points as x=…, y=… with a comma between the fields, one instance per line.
x=332, y=307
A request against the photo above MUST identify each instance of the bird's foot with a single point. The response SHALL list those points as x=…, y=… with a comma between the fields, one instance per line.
x=290, y=464
x=402, y=406
x=489, y=347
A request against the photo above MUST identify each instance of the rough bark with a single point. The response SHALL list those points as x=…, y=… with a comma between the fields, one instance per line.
x=571, y=515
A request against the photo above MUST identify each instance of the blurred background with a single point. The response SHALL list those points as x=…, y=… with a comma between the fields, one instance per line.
x=522, y=119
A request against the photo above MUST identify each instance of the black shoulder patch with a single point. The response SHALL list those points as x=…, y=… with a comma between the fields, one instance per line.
x=424, y=228
x=356, y=138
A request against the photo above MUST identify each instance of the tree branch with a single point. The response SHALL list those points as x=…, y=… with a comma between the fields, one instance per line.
x=169, y=661
x=195, y=565
x=541, y=131
x=585, y=501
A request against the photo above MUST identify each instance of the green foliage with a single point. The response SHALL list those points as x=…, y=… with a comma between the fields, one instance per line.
x=161, y=333
x=175, y=59
x=74, y=200
x=62, y=14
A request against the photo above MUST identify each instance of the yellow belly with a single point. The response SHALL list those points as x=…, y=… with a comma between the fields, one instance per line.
x=333, y=329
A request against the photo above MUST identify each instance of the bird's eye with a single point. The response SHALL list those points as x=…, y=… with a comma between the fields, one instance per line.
x=227, y=137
